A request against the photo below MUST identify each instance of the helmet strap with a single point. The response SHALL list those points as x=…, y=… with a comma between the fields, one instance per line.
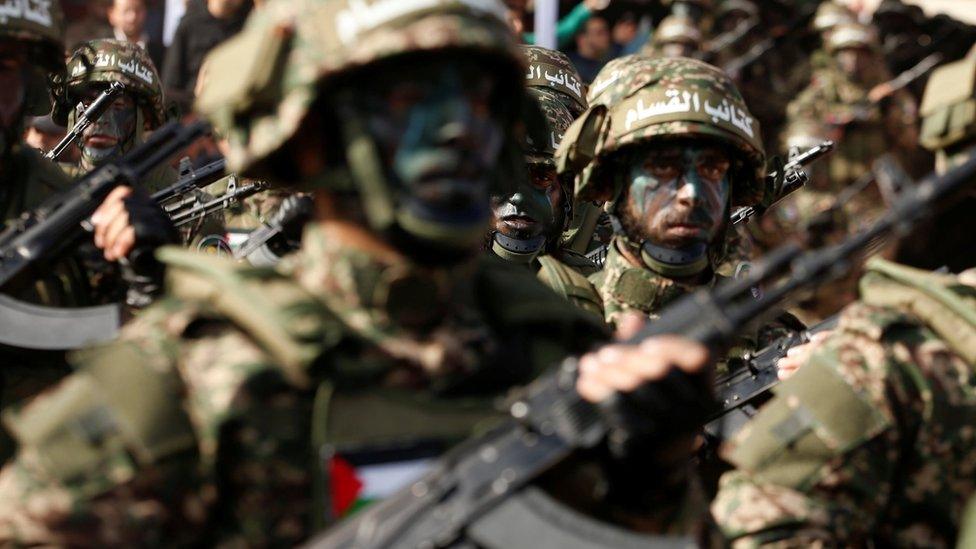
x=517, y=250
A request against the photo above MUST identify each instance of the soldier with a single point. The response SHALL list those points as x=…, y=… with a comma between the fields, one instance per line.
x=530, y=225
x=863, y=129
x=676, y=36
x=217, y=415
x=871, y=441
x=669, y=171
x=696, y=10
x=93, y=67
x=31, y=54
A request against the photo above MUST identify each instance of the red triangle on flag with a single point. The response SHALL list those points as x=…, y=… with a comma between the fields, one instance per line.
x=344, y=483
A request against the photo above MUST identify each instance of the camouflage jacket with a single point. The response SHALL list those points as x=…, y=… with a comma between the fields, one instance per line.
x=209, y=421
x=31, y=180
x=871, y=442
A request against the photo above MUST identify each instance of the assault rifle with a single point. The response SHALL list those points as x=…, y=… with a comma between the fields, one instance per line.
x=548, y=420
x=190, y=180
x=89, y=117
x=41, y=234
x=184, y=213
x=794, y=177
x=777, y=37
x=863, y=110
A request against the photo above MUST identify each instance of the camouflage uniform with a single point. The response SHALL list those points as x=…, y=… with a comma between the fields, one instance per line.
x=871, y=441
x=209, y=421
x=96, y=64
x=28, y=180
x=616, y=91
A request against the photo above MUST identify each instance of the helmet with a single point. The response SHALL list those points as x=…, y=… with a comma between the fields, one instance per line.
x=105, y=61
x=40, y=24
x=543, y=140
x=949, y=111
x=852, y=35
x=675, y=28
x=745, y=7
x=829, y=15
x=264, y=80
x=650, y=100
x=552, y=69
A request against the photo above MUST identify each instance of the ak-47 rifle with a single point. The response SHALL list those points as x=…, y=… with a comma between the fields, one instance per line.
x=549, y=421
x=777, y=38
x=794, y=177
x=190, y=180
x=729, y=38
x=43, y=233
x=864, y=109
x=186, y=212
x=87, y=118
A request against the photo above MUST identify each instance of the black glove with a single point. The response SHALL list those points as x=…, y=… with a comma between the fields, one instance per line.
x=141, y=270
x=644, y=425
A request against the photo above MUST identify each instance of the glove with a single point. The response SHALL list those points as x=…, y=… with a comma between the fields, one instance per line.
x=142, y=272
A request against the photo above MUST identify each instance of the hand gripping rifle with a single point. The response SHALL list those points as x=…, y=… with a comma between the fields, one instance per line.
x=44, y=232
x=488, y=476
x=89, y=117
x=794, y=177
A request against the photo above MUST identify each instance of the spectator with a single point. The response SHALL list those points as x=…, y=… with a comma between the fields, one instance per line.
x=128, y=20
x=205, y=24
x=630, y=33
x=90, y=23
x=43, y=134
x=593, y=48
x=567, y=27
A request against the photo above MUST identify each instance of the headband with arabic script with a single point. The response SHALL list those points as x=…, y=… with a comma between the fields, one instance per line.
x=652, y=107
x=545, y=75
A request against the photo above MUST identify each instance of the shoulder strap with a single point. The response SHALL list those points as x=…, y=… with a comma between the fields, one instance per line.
x=570, y=284
x=944, y=304
x=285, y=320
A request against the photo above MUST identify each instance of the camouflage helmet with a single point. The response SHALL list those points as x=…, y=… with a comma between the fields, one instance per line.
x=552, y=69
x=103, y=61
x=949, y=111
x=543, y=140
x=265, y=79
x=675, y=28
x=40, y=25
x=650, y=100
x=745, y=7
x=852, y=35
x=830, y=14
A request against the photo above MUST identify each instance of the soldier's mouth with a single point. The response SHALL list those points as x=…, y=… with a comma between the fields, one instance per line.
x=520, y=222
x=684, y=229
x=99, y=141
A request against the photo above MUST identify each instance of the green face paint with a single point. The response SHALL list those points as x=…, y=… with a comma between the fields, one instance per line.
x=677, y=195
x=112, y=135
x=438, y=129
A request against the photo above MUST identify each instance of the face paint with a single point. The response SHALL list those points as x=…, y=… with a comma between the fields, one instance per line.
x=677, y=195
x=526, y=213
x=854, y=62
x=439, y=131
x=112, y=135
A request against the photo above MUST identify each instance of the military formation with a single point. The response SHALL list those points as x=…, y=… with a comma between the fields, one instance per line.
x=422, y=236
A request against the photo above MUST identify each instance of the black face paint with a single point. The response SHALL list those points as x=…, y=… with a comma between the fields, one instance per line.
x=112, y=135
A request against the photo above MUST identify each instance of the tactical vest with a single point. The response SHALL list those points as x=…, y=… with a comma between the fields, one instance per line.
x=570, y=284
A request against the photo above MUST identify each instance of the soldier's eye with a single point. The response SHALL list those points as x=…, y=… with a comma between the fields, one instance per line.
x=663, y=168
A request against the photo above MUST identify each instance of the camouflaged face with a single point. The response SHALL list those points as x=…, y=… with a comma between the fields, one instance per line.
x=543, y=142
x=262, y=82
x=40, y=22
x=552, y=69
x=638, y=100
x=101, y=62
